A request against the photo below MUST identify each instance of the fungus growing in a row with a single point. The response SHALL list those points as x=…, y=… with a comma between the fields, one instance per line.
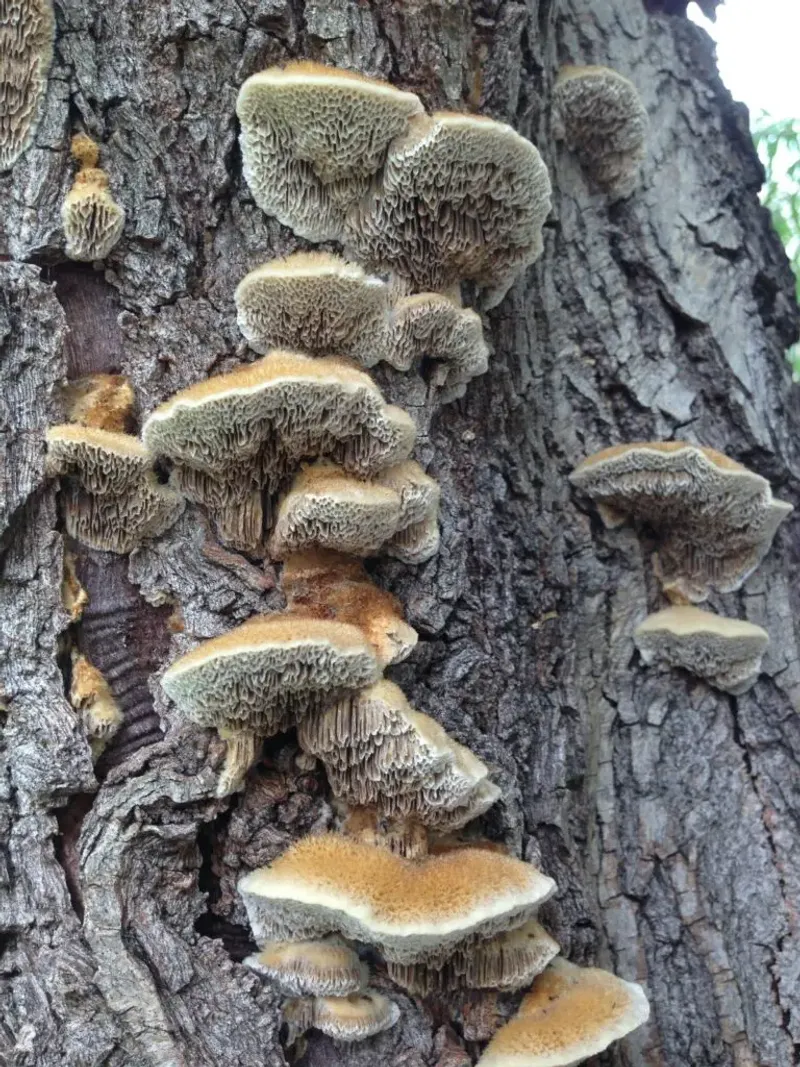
x=233, y=437
x=260, y=677
x=378, y=751
x=327, y=968
x=327, y=585
x=715, y=518
x=600, y=116
x=417, y=537
x=570, y=1014
x=91, y=217
x=322, y=305
x=725, y=652
x=26, y=51
x=102, y=401
x=312, y=139
x=506, y=961
x=113, y=500
x=352, y=1018
x=410, y=910
x=461, y=198
x=91, y=695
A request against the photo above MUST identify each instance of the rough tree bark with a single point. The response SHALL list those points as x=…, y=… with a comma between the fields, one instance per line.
x=667, y=812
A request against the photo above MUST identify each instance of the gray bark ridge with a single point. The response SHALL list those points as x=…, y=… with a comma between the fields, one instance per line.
x=666, y=811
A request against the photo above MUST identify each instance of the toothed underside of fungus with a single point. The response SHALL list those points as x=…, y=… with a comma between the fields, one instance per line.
x=378, y=750
x=264, y=674
x=26, y=50
x=600, y=116
x=410, y=910
x=507, y=961
x=570, y=1014
x=352, y=1018
x=112, y=499
x=725, y=652
x=461, y=198
x=318, y=968
x=327, y=585
x=93, y=221
x=715, y=518
x=312, y=139
x=317, y=303
x=430, y=324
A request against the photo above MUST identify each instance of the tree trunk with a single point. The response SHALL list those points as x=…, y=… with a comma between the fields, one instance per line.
x=667, y=812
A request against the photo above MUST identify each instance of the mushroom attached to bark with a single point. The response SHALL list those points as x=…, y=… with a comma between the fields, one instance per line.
x=715, y=518
x=327, y=968
x=432, y=325
x=726, y=652
x=507, y=961
x=461, y=198
x=91, y=695
x=312, y=139
x=352, y=1018
x=259, y=678
x=410, y=910
x=417, y=536
x=103, y=401
x=570, y=1014
x=233, y=437
x=26, y=51
x=327, y=585
x=113, y=500
x=600, y=116
x=92, y=219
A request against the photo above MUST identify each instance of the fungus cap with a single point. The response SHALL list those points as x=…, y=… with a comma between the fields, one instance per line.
x=411, y=910
x=320, y=968
x=262, y=674
x=431, y=324
x=716, y=518
x=312, y=139
x=353, y=1018
x=317, y=303
x=726, y=652
x=461, y=197
x=26, y=51
x=570, y=1014
x=102, y=401
x=92, y=219
x=417, y=538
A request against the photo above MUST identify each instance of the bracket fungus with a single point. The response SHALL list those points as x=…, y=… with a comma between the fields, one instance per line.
x=113, y=500
x=232, y=438
x=417, y=536
x=91, y=695
x=433, y=325
x=258, y=678
x=599, y=115
x=570, y=1014
x=352, y=1018
x=715, y=518
x=91, y=217
x=725, y=652
x=26, y=51
x=506, y=961
x=377, y=750
x=410, y=910
x=327, y=968
x=461, y=197
x=312, y=139
x=327, y=585
x=104, y=401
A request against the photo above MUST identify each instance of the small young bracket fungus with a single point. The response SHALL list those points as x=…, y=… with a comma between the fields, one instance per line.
x=417, y=537
x=318, y=968
x=236, y=435
x=327, y=585
x=570, y=1014
x=103, y=401
x=91, y=217
x=317, y=303
x=726, y=652
x=353, y=1018
x=113, y=500
x=257, y=679
x=91, y=695
x=26, y=51
x=600, y=116
x=507, y=961
x=461, y=198
x=378, y=750
x=432, y=324
x=716, y=519
x=312, y=139
x=411, y=910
